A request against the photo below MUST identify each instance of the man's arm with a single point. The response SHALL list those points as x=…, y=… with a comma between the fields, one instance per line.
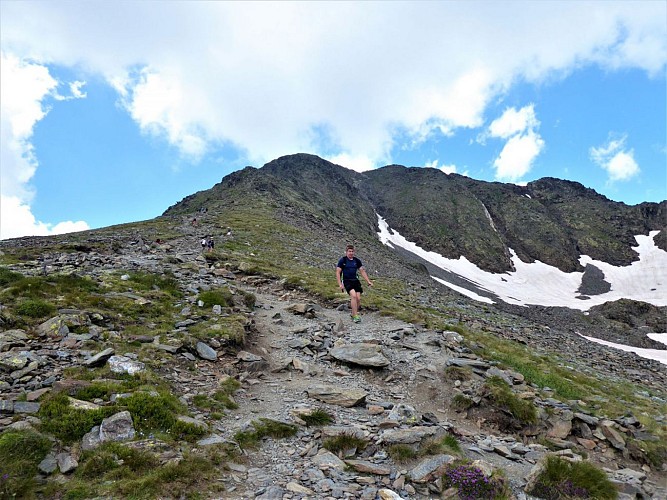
x=365, y=276
x=340, y=283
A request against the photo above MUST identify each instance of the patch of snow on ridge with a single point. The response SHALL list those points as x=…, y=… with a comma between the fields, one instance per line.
x=537, y=283
x=656, y=354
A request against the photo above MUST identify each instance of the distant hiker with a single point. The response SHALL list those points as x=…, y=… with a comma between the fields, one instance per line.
x=210, y=245
x=194, y=221
x=204, y=243
x=347, y=273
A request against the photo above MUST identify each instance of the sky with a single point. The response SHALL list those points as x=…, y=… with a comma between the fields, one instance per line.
x=113, y=111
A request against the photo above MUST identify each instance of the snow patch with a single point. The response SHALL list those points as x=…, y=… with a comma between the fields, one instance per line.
x=537, y=283
x=655, y=354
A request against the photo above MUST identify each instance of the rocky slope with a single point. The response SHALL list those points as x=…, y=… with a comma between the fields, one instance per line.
x=385, y=381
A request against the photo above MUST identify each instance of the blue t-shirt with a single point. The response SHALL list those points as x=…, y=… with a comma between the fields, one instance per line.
x=350, y=268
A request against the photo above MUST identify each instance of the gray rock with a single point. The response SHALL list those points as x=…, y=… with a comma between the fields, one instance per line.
x=360, y=354
x=412, y=435
x=118, y=427
x=6, y=407
x=123, y=364
x=340, y=396
x=12, y=361
x=206, y=352
x=588, y=419
x=66, y=462
x=100, y=358
x=369, y=467
x=49, y=464
x=32, y=366
x=612, y=435
x=472, y=363
x=426, y=469
x=26, y=407
x=91, y=440
x=326, y=459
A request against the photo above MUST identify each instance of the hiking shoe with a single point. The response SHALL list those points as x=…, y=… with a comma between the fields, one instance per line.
x=356, y=319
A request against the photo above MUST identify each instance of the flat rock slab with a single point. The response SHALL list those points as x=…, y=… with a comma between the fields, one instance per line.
x=340, y=396
x=360, y=354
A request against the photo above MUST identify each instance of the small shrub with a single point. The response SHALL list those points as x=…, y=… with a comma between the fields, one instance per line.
x=441, y=445
x=317, y=417
x=7, y=276
x=220, y=296
x=502, y=396
x=562, y=479
x=184, y=431
x=249, y=299
x=400, y=453
x=264, y=427
x=472, y=483
x=344, y=442
x=152, y=412
x=20, y=454
x=67, y=423
x=35, y=308
x=453, y=373
x=461, y=402
x=148, y=281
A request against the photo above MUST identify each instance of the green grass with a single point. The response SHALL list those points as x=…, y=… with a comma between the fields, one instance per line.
x=35, y=308
x=437, y=446
x=317, y=417
x=149, y=281
x=20, y=454
x=344, y=442
x=502, y=397
x=401, y=453
x=115, y=470
x=8, y=276
x=220, y=296
x=263, y=428
x=461, y=402
x=67, y=423
x=153, y=413
x=563, y=479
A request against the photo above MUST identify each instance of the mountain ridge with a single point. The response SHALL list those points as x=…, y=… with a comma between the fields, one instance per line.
x=551, y=220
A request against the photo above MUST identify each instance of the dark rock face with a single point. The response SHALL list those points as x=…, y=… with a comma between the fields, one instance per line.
x=550, y=220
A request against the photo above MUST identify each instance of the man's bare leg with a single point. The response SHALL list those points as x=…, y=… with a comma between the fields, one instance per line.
x=354, y=302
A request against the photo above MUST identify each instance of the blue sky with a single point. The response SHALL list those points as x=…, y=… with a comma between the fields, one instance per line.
x=112, y=112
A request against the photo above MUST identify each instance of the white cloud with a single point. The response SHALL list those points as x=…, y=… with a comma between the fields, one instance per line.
x=523, y=144
x=23, y=86
x=514, y=122
x=262, y=75
x=446, y=169
x=516, y=158
x=16, y=219
x=356, y=163
x=613, y=157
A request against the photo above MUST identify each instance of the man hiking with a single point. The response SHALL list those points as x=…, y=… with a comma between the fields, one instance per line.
x=347, y=274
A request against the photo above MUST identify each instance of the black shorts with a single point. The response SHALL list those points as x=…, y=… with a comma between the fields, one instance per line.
x=353, y=285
